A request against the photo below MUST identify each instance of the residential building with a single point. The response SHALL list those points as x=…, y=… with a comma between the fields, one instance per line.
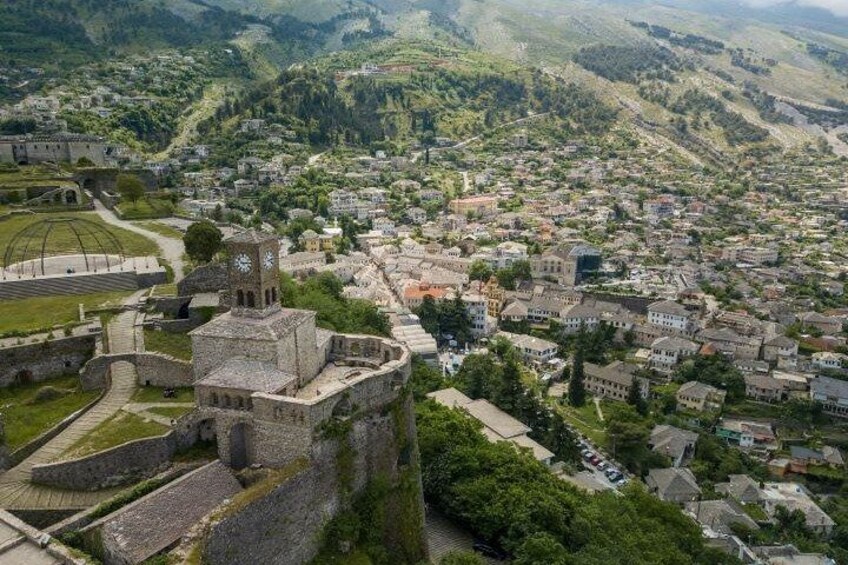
x=413, y=295
x=673, y=317
x=497, y=424
x=740, y=487
x=612, y=381
x=747, y=434
x=763, y=388
x=793, y=496
x=667, y=352
x=675, y=443
x=731, y=343
x=477, y=205
x=302, y=262
x=533, y=350
x=780, y=347
x=673, y=485
x=313, y=242
x=720, y=516
x=567, y=265
x=827, y=360
x=700, y=397
x=477, y=306
x=832, y=394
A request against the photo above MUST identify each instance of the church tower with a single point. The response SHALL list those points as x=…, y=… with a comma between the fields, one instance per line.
x=254, y=274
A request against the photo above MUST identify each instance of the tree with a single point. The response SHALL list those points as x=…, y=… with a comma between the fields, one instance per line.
x=202, y=241
x=479, y=271
x=130, y=188
x=541, y=549
x=462, y=558
x=576, y=388
x=511, y=390
x=218, y=213
x=635, y=398
x=428, y=315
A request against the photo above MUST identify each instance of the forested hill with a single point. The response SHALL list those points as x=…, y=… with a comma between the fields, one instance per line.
x=410, y=94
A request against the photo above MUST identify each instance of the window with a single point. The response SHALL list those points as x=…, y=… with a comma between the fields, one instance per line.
x=214, y=399
x=267, y=297
x=240, y=298
x=251, y=299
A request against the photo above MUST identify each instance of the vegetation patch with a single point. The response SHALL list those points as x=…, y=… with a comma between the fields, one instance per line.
x=42, y=313
x=177, y=345
x=30, y=410
x=116, y=430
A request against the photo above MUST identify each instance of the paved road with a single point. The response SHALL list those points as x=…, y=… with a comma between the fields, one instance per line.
x=172, y=249
x=16, y=492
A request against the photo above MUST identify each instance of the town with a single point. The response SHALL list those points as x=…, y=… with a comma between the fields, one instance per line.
x=287, y=316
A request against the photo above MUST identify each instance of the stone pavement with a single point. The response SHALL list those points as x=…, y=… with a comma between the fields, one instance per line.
x=17, y=493
x=172, y=249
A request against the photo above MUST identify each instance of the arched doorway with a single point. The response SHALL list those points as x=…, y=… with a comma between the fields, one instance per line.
x=240, y=440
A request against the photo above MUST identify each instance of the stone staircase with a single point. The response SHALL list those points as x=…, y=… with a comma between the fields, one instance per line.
x=83, y=283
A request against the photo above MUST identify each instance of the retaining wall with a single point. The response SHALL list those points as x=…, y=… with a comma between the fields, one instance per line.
x=120, y=465
x=37, y=362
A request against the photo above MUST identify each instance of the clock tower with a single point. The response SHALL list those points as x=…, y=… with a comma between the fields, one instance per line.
x=254, y=273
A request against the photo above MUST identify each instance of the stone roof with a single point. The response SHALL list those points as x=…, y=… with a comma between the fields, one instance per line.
x=158, y=520
x=616, y=372
x=250, y=236
x=496, y=419
x=781, y=341
x=676, y=344
x=829, y=387
x=669, y=307
x=695, y=389
x=449, y=397
x=670, y=483
x=741, y=487
x=247, y=374
x=271, y=328
x=763, y=381
x=671, y=441
x=720, y=515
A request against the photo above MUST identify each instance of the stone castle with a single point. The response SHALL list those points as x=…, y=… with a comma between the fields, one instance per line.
x=269, y=385
x=59, y=148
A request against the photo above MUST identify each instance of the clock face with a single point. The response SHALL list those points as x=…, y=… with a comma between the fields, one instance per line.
x=242, y=263
x=268, y=260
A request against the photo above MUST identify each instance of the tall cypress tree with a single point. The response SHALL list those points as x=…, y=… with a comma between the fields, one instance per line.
x=576, y=388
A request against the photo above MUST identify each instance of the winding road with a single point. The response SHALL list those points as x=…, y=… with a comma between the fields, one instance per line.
x=172, y=249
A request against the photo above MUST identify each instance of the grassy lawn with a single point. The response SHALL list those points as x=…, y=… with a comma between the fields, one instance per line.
x=752, y=409
x=119, y=429
x=150, y=394
x=43, y=312
x=63, y=240
x=145, y=209
x=173, y=344
x=173, y=412
x=585, y=419
x=161, y=229
x=164, y=290
x=28, y=414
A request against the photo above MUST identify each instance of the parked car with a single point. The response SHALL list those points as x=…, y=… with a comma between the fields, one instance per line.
x=602, y=465
x=594, y=460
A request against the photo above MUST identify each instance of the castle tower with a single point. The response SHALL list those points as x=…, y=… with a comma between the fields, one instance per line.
x=254, y=274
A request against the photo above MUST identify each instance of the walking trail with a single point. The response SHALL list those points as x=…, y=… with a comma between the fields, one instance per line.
x=172, y=249
x=16, y=491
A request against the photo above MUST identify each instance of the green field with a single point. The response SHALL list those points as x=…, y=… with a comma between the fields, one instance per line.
x=173, y=412
x=173, y=344
x=585, y=419
x=62, y=239
x=117, y=430
x=162, y=229
x=145, y=209
x=38, y=313
x=31, y=410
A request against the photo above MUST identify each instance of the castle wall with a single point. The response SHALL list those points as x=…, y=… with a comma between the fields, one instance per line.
x=37, y=362
x=209, y=353
x=206, y=278
x=154, y=369
x=117, y=466
x=6, y=154
x=309, y=362
x=283, y=526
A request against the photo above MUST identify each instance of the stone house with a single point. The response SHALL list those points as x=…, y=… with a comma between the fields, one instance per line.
x=731, y=343
x=667, y=352
x=763, y=388
x=700, y=397
x=533, y=350
x=673, y=485
x=780, y=347
x=832, y=394
x=740, y=487
x=613, y=381
x=675, y=443
x=672, y=317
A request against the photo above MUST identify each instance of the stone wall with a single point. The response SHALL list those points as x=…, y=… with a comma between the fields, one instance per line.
x=283, y=526
x=120, y=465
x=154, y=369
x=37, y=362
x=207, y=278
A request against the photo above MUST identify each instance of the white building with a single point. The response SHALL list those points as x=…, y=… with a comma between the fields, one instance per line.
x=669, y=315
